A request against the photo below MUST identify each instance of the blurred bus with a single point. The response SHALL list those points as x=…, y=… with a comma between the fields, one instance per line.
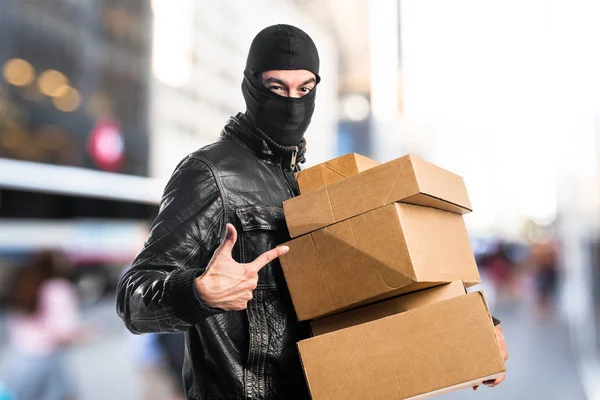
x=98, y=219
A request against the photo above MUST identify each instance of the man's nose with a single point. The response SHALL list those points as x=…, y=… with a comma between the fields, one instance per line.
x=295, y=109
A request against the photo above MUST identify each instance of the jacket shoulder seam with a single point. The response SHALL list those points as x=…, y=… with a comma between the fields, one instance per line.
x=220, y=186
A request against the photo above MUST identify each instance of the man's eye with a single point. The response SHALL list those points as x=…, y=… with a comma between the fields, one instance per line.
x=305, y=89
x=275, y=88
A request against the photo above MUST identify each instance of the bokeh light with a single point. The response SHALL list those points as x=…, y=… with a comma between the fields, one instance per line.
x=51, y=82
x=18, y=72
x=67, y=99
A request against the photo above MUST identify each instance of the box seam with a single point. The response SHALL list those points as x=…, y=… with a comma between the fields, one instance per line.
x=353, y=235
x=396, y=181
x=436, y=198
x=323, y=275
x=335, y=170
x=351, y=360
x=330, y=204
x=374, y=257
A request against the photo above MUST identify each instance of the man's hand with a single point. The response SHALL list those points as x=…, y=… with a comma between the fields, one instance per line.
x=227, y=284
x=502, y=343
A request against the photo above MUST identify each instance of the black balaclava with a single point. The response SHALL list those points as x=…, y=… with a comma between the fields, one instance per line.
x=280, y=47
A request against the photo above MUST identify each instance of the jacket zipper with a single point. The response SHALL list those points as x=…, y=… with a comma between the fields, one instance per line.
x=251, y=363
x=293, y=185
x=293, y=160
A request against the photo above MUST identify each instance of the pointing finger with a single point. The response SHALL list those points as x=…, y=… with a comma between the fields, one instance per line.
x=267, y=257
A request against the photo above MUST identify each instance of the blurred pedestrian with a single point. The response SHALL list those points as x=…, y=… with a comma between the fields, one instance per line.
x=43, y=322
x=544, y=256
x=501, y=269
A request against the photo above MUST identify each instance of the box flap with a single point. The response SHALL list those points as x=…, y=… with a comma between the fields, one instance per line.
x=426, y=200
x=365, y=163
x=343, y=166
x=309, y=212
x=401, y=356
x=344, y=231
x=439, y=244
x=377, y=186
x=440, y=183
x=380, y=234
x=317, y=267
x=332, y=171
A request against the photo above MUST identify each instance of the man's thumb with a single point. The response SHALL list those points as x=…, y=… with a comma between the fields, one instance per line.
x=230, y=239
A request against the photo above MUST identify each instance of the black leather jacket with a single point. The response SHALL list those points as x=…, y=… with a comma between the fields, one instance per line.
x=241, y=179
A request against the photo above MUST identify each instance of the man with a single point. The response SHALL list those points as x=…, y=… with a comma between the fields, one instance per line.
x=209, y=266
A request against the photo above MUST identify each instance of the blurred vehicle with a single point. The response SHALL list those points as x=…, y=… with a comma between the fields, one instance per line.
x=99, y=229
x=96, y=249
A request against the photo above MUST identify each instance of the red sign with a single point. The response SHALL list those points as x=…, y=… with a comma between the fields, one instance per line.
x=106, y=145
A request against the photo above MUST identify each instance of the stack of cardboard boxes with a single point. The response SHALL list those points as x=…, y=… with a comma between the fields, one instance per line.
x=379, y=265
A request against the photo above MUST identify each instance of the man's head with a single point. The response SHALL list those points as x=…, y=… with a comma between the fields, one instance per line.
x=279, y=86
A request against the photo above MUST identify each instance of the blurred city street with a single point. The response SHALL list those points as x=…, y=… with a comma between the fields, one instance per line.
x=485, y=116
x=542, y=362
x=541, y=365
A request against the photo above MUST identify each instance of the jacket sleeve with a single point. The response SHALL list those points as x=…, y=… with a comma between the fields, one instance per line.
x=158, y=294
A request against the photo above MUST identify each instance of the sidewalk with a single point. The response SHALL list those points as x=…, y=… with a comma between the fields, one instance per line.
x=541, y=365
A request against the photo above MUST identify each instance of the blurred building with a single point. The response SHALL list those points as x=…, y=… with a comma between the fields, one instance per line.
x=68, y=67
x=349, y=25
x=74, y=114
x=74, y=89
x=199, y=54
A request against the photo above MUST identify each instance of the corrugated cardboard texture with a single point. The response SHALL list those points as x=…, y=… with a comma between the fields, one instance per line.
x=388, y=307
x=407, y=179
x=399, y=248
x=405, y=355
x=332, y=171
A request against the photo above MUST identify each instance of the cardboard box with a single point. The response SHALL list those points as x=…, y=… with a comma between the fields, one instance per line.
x=332, y=171
x=408, y=179
x=396, y=249
x=439, y=347
x=388, y=307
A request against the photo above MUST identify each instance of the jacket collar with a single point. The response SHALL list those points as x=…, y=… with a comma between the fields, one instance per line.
x=241, y=130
